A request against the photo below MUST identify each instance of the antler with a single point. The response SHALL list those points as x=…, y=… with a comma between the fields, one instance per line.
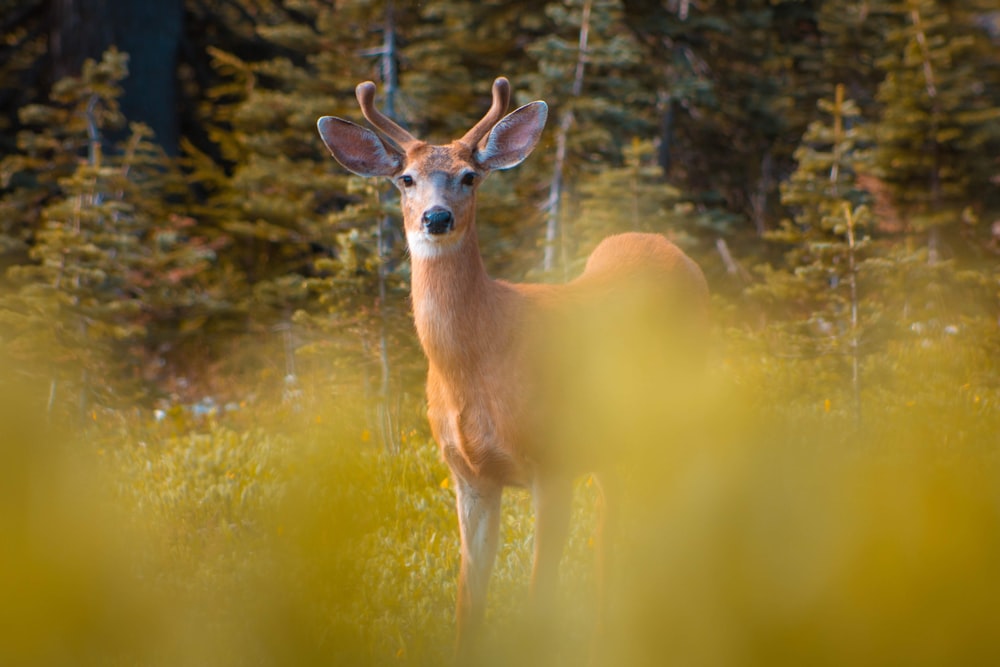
x=366, y=98
x=501, y=98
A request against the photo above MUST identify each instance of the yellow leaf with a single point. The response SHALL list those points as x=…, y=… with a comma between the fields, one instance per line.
x=444, y=483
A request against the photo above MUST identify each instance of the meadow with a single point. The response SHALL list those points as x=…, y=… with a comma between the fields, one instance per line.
x=778, y=530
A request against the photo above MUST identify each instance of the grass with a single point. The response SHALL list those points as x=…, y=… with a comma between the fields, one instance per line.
x=779, y=532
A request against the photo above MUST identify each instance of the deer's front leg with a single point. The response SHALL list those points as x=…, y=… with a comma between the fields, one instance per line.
x=479, y=527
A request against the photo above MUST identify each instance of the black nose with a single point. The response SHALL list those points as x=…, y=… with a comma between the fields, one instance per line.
x=438, y=220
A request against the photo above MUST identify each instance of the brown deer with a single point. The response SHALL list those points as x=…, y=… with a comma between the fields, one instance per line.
x=516, y=390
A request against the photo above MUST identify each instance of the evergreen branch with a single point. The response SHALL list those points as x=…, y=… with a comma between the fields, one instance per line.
x=297, y=16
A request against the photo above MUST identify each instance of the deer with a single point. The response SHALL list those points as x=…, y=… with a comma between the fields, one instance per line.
x=498, y=393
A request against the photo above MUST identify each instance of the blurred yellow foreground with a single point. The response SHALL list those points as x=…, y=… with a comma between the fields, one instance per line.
x=776, y=531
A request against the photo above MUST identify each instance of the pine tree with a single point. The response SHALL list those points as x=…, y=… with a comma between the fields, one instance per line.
x=760, y=76
x=937, y=127
x=113, y=271
x=829, y=240
x=31, y=171
x=57, y=165
x=284, y=186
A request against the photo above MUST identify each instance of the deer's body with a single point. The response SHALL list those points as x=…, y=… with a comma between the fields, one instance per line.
x=514, y=370
x=486, y=343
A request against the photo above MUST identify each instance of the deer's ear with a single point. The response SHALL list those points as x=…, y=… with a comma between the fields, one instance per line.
x=514, y=137
x=358, y=149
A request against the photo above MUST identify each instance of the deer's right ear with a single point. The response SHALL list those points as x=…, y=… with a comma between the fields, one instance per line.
x=358, y=149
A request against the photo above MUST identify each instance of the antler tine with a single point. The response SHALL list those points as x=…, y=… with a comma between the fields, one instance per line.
x=501, y=99
x=366, y=98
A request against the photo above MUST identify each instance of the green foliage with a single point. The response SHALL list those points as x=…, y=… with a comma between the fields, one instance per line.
x=829, y=237
x=265, y=231
x=81, y=107
x=608, y=108
x=937, y=130
x=307, y=237
x=114, y=272
x=632, y=197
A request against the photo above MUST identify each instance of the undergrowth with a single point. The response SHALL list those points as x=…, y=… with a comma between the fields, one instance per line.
x=782, y=531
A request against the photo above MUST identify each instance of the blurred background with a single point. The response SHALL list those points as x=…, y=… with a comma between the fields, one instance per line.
x=213, y=442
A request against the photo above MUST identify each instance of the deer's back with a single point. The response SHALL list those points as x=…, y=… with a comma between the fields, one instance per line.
x=614, y=355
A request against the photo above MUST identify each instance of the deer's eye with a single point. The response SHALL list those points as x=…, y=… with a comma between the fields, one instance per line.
x=468, y=178
x=406, y=180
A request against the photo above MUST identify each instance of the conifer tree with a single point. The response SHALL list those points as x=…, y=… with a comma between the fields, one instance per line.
x=31, y=172
x=761, y=76
x=829, y=242
x=63, y=156
x=273, y=201
x=113, y=271
x=937, y=133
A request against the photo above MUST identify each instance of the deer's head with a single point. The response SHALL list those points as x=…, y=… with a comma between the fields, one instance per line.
x=437, y=184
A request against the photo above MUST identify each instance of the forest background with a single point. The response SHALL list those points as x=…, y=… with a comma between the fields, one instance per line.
x=175, y=242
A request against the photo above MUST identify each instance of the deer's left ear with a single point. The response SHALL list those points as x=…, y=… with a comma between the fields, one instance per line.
x=513, y=138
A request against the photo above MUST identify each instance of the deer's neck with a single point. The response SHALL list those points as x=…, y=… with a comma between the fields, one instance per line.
x=460, y=312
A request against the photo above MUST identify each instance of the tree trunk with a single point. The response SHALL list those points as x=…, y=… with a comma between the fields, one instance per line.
x=148, y=30
x=553, y=230
x=79, y=29
x=390, y=78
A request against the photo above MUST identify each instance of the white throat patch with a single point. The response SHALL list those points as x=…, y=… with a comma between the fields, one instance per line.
x=424, y=246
